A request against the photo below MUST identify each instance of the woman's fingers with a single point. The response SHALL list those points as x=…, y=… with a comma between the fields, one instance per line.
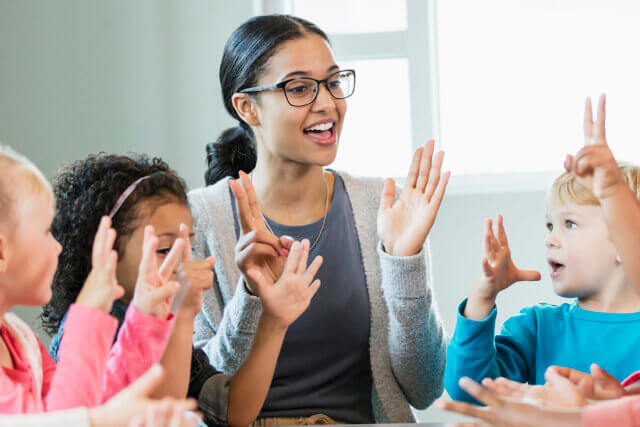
x=480, y=393
x=313, y=269
x=313, y=288
x=438, y=195
x=251, y=195
x=258, y=278
x=412, y=176
x=435, y=175
x=244, y=211
x=172, y=260
x=464, y=409
x=304, y=257
x=293, y=258
x=388, y=194
x=257, y=250
x=260, y=236
x=425, y=166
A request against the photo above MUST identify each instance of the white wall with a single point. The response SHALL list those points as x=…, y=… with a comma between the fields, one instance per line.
x=81, y=76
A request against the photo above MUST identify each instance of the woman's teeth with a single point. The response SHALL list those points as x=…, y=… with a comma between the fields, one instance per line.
x=320, y=128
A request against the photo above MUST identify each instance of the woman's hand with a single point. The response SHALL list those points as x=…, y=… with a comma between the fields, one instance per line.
x=196, y=275
x=257, y=248
x=498, y=273
x=286, y=299
x=154, y=291
x=594, y=165
x=101, y=288
x=502, y=411
x=403, y=224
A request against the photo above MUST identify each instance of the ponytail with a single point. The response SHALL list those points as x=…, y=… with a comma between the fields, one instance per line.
x=234, y=151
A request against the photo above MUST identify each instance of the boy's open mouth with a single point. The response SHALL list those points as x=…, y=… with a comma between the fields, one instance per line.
x=556, y=268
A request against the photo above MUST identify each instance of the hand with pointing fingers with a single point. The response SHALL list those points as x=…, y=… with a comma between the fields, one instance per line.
x=154, y=291
x=257, y=248
x=287, y=298
x=198, y=276
x=403, y=224
x=101, y=288
x=594, y=165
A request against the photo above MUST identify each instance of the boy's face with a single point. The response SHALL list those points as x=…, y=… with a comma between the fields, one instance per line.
x=31, y=250
x=166, y=220
x=580, y=253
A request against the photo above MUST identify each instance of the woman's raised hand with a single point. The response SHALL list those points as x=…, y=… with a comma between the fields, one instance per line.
x=403, y=224
x=286, y=299
x=257, y=248
x=101, y=288
x=155, y=290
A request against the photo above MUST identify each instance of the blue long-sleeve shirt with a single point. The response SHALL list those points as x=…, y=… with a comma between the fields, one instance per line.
x=538, y=337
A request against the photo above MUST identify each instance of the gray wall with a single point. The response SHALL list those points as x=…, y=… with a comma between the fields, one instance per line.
x=82, y=76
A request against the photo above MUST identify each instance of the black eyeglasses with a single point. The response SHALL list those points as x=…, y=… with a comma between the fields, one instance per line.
x=301, y=91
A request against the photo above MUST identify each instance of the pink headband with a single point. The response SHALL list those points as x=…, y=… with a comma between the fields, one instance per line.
x=126, y=193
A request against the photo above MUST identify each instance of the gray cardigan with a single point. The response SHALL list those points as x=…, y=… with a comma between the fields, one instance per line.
x=407, y=342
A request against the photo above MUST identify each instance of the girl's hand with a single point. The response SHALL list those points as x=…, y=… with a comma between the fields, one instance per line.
x=505, y=412
x=197, y=275
x=403, y=224
x=257, y=248
x=594, y=165
x=154, y=290
x=286, y=299
x=101, y=288
x=134, y=403
x=599, y=385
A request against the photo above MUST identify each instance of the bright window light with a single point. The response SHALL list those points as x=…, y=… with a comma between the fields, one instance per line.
x=514, y=76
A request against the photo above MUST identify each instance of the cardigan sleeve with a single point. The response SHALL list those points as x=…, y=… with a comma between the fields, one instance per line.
x=417, y=341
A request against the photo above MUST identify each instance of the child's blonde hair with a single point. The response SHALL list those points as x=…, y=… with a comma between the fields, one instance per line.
x=567, y=189
x=10, y=161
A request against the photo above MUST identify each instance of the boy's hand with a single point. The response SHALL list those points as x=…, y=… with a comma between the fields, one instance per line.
x=101, y=288
x=557, y=393
x=286, y=299
x=599, y=385
x=594, y=165
x=198, y=276
x=498, y=273
x=257, y=248
x=154, y=290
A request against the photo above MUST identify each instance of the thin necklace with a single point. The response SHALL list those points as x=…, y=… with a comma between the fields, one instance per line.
x=324, y=218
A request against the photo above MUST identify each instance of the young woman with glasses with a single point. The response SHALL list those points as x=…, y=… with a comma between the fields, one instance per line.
x=371, y=342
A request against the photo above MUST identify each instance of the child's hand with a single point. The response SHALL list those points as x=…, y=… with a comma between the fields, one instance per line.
x=257, y=248
x=101, y=288
x=154, y=290
x=498, y=273
x=286, y=299
x=594, y=165
x=557, y=393
x=404, y=223
x=599, y=385
x=197, y=274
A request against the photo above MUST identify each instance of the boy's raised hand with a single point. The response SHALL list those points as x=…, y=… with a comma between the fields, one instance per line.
x=257, y=248
x=404, y=223
x=155, y=290
x=594, y=165
x=498, y=273
x=101, y=288
x=284, y=300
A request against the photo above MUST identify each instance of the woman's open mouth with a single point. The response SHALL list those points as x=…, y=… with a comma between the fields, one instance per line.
x=322, y=133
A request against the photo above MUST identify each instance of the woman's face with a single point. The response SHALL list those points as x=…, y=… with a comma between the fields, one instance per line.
x=284, y=130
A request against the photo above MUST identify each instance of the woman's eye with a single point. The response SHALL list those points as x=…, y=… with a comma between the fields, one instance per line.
x=570, y=224
x=297, y=89
x=335, y=83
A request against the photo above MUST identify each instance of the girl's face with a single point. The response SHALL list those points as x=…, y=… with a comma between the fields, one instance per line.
x=166, y=220
x=283, y=130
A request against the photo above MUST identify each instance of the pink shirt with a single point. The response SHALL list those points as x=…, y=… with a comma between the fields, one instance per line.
x=90, y=370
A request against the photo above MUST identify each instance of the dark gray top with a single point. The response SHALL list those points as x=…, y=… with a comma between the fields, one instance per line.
x=324, y=362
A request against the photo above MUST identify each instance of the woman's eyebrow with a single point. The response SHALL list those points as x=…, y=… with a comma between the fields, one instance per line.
x=306, y=73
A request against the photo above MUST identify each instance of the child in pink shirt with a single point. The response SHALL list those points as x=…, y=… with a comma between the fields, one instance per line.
x=89, y=371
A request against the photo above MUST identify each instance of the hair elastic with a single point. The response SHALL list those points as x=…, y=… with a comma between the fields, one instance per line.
x=125, y=194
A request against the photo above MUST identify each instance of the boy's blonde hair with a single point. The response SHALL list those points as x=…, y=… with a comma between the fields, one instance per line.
x=567, y=189
x=10, y=162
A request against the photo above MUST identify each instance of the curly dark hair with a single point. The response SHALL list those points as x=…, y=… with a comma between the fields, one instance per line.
x=85, y=191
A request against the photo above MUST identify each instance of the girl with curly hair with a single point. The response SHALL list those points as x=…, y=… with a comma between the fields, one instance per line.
x=138, y=191
x=90, y=369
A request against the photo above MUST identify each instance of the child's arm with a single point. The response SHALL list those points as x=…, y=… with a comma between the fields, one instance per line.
x=474, y=350
x=597, y=169
x=283, y=302
x=148, y=323
x=177, y=357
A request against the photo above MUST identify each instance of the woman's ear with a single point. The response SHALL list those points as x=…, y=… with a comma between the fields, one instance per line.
x=245, y=106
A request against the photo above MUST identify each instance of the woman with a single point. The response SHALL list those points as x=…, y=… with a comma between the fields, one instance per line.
x=371, y=343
